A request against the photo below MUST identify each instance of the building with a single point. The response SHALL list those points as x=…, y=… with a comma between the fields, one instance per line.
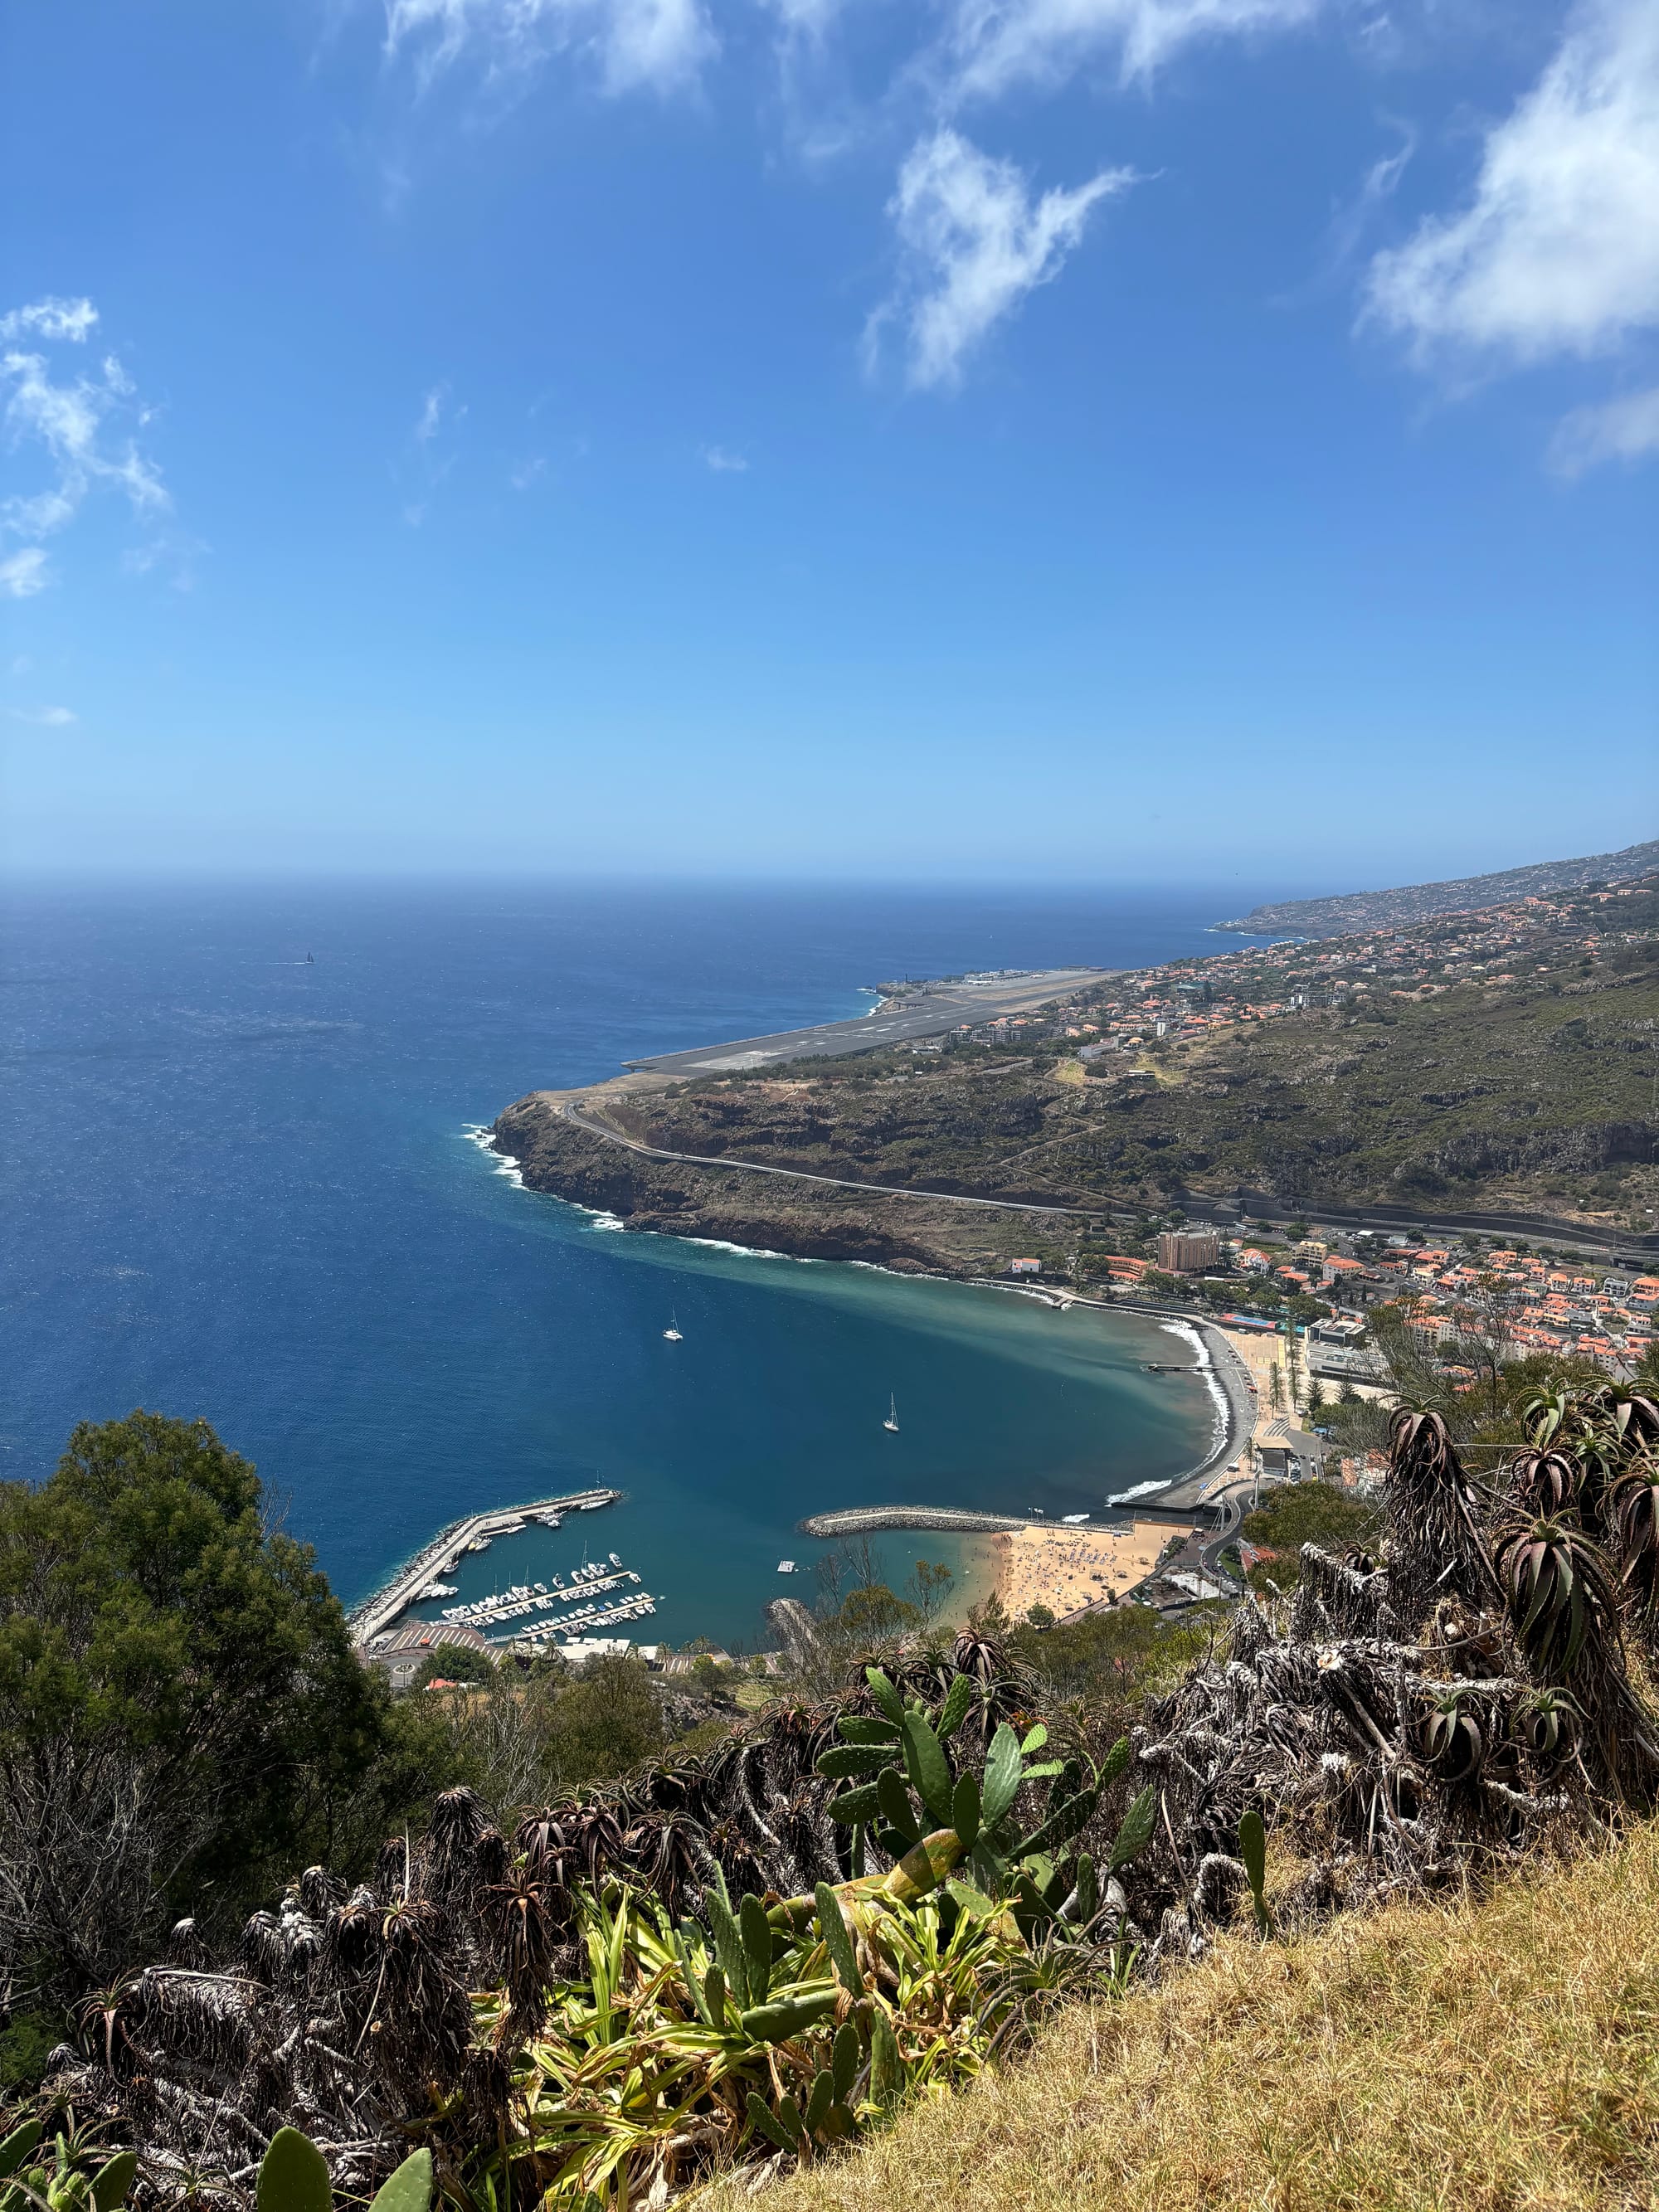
x=1025, y=1266
x=1292, y=1453
x=401, y=1652
x=1188, y=1251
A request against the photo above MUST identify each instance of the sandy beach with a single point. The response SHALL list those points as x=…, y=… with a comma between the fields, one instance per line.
x=1064, y=1568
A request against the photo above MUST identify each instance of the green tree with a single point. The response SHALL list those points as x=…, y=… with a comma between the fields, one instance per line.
x=183, y=1717
x=1307, y=1513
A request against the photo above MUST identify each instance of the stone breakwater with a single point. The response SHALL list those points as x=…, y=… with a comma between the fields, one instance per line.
x=869, y=1519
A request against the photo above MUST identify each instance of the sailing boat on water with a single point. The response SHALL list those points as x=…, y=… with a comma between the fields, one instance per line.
x=891, y=1423
x=671, y=1334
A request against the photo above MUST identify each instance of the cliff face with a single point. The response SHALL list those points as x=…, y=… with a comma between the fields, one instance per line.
x=771, y=1214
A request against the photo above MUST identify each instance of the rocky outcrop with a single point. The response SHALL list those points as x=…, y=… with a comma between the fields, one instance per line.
x=769, y=1213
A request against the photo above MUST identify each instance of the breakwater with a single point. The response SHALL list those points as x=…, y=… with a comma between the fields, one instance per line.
x=377, y=1612
x=868, y=1520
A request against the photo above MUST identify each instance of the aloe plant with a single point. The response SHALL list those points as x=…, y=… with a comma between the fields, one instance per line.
x=1253, y=1850
x=899, y=1766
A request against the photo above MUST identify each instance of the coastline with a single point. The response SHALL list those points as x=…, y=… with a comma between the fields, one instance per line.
x=1066, y=1569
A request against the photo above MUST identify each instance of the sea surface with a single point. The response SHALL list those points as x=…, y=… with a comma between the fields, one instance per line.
x=240, y=1183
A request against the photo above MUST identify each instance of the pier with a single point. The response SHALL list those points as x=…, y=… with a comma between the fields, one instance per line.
x=473, y=1532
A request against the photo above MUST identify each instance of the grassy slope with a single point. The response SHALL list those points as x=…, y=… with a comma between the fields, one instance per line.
x=1483, y=2057
x=1533, y=1098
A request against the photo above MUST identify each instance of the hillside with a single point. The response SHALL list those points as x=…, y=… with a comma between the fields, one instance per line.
x=1410, y=1073
x=1417, y=901
x=1489, y=2055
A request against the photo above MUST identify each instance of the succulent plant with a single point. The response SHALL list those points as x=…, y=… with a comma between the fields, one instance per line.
x=1450, y=1739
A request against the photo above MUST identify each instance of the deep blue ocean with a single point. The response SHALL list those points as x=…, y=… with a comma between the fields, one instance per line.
x=238, y=1185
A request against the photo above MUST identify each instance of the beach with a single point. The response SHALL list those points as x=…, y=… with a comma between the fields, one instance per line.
x=1065, y=1568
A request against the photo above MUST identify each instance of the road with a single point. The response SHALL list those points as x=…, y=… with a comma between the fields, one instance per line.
x=570, y=1112
x=1536, y=1228
x=925, y=1013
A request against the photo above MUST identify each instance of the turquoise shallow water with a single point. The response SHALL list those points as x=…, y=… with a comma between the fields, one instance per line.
x=239, y=1185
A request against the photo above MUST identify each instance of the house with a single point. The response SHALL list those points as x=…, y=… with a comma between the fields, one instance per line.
x=1025, y=1266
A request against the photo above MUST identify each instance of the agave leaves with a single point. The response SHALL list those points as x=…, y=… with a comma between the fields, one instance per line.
x=1437, y=1542
x=1559, y=1589
x=651, y=2070
x=1633, y=1503
x=1450, y=1739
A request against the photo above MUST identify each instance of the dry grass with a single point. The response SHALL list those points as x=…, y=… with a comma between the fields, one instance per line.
x=1481, y=2057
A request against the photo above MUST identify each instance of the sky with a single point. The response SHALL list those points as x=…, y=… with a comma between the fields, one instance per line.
x=1102, y=439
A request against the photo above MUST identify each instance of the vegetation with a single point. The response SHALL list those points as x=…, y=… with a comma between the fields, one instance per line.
x=1488, y=2053
x=752, y=1954
x=1306, y=1513
x=182, y=1714
x=1533, y=1093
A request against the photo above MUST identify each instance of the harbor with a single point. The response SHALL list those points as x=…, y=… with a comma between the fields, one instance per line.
x=585, y=1598
x=420, y=1578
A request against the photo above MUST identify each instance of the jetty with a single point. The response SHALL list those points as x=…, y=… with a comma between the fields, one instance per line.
x=473, y=1533
x=866, y=1520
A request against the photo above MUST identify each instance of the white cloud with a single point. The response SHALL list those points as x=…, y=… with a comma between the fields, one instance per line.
x=723, y=463
x=431, y=415
x=1557, y=250
x=1622, y=429
x=996, y=43
x=51, y=319
x=22, y=575
x=43, y=717
x=77, y=424
x=973, y=242
x=659, y=44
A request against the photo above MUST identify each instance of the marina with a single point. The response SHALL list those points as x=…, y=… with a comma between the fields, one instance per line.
x=422, y=1578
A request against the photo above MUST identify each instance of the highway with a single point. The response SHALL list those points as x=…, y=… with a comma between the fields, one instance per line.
x=929, y=1011
x=568, y=1111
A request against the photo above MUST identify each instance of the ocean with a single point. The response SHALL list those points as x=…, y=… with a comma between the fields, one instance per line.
x=245, y=1185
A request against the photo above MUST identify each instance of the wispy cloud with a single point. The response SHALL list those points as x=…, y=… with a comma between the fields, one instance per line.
x=657, y=46
x=432, y=410
x=53, y=320
x=1557, y=250
x=426, y=460
x=43, y=717
x=724, y=463
x=82, y=423
x=22, y=575
x=1622, y=429
x=995, y=45
x=974, y=240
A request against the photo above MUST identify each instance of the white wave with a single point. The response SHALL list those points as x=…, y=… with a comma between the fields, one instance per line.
x=744, y=1251
x=1201, y=1344
x=1141, y=1490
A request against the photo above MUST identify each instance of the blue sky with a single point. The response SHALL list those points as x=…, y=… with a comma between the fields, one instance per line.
x=1136, y=438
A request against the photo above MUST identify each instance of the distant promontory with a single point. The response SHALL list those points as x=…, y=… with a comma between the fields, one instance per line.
x=1330, y=917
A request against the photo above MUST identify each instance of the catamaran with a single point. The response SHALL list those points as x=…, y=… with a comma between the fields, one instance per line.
x=671, y=1334
x=891, y=1423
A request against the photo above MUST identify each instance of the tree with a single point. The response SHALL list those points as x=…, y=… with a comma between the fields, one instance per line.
x=1307, y=1513
x=454, y=1662
x=182, y=1712
x=929, y=1586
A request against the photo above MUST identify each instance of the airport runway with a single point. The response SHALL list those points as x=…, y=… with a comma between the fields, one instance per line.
x=923, y=1013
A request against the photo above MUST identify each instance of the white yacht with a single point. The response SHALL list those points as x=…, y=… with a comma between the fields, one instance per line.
x=671, y=1334
x=891, y=1423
